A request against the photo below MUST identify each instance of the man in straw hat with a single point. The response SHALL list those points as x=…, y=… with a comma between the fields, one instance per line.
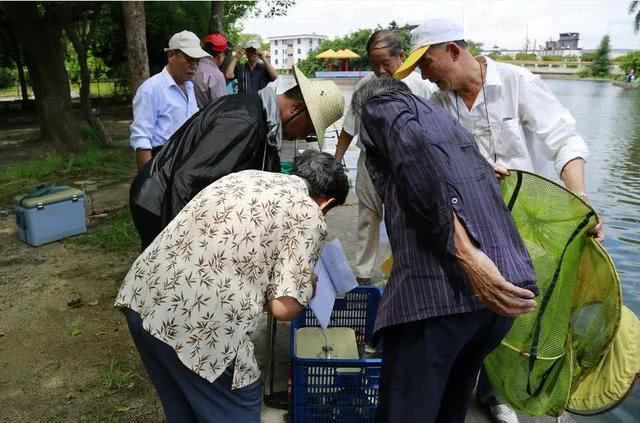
x=385, y=56
x=233, y=133
x=166, y=100
x=514, y=118
x=230, y=245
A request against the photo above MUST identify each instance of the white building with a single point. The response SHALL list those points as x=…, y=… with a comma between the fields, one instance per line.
x=288, y=50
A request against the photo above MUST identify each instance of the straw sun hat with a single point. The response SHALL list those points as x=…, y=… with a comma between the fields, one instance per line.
x=324, y=101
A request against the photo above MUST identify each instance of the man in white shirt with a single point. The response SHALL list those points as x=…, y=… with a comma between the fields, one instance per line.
x=166, y=100
x=515, y=119
x=386, y=56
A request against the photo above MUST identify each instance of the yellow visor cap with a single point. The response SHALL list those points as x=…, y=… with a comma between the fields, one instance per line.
x=410, y=64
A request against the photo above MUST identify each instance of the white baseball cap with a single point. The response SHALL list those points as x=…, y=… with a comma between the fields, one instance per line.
x=253, y=43
x=188, y=43
x=432, y=31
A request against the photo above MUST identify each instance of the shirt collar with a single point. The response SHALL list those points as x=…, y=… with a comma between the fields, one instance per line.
x=492, y=77
x=169, y=81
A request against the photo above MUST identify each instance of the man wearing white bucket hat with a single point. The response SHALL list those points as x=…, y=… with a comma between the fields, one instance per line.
x=515, y=119
x=233, y=133
x=166, y=100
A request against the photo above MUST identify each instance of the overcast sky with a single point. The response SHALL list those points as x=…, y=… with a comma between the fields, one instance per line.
x=502, y=23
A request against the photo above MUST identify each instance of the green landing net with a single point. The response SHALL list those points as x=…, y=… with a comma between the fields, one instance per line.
x=567, y=341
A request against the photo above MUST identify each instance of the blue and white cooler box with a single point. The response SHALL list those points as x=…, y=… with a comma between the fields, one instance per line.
x=50, y=213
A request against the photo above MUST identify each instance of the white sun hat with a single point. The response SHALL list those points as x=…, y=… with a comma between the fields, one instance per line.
x=188, y=43
x=324, y=101
x=432, y=31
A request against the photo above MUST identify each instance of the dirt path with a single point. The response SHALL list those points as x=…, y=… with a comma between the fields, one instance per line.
x=65, y=352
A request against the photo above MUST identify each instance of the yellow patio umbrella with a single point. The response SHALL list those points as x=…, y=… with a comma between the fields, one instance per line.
x=345, y=55
x=329, y=55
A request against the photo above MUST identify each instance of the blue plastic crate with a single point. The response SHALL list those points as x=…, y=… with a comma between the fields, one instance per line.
x=335, y=390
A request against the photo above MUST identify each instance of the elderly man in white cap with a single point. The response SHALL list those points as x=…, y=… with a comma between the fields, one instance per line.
x=166, y=100
x=514, y=118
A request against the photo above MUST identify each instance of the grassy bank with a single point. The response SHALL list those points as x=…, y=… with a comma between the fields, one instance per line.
x=113, y=234
x=95, y=163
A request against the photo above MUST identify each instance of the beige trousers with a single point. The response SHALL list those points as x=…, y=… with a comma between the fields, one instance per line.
x=369, y=217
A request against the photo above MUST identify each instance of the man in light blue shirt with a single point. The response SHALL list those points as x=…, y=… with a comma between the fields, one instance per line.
x=166, y=100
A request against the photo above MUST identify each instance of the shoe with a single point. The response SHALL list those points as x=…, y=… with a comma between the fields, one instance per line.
x=502, y=413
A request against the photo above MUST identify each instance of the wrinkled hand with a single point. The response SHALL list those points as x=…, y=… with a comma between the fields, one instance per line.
x=492, y=290
x=240, y=53
x=597, y=232
x=501, y=172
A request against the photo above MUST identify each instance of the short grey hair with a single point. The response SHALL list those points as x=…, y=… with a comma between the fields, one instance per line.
x=375, y=87
x=325, y=176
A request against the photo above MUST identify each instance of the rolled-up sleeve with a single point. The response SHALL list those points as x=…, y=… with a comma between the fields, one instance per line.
x=552, y=123
x=299, y=249
x=144, y=120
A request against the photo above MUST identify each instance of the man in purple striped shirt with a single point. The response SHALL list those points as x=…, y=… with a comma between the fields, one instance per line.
x=461, y=271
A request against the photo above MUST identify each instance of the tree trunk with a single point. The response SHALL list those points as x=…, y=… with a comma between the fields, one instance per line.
x=16, y=54
x=217, y=17
x=40, y=38
x=23, y=84
x=137, y=57
x=85, y=86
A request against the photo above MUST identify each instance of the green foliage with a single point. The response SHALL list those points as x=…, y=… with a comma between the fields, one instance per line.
x=114, y=234
x=474, y=47
x=115, y=379
x=630, y=61
x=601, y=62
x=588, y=57
x=356, y=42
x=8, y=77
x=495, y=55
x=97, y=67
x=165, y=18
x=525, y=56
x=94, y=163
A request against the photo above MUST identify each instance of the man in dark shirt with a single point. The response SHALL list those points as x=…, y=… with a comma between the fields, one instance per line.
x=253, y=75
x=461, y=271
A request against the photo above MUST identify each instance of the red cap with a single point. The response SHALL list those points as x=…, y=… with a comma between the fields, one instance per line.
x=218, y=42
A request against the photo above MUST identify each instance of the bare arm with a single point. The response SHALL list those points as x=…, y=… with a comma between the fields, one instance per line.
x=142, y=157
x=284, y=308
x=230, y=71
x=273, y=75
x=344, y=140
x=488, y=285
x=573, y=177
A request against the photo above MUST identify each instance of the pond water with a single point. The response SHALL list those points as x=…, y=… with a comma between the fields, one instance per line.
x=606, y=118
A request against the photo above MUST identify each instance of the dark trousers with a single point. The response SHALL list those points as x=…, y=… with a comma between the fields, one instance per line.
x=147, y=224
x=187, y=397
x=430, y=366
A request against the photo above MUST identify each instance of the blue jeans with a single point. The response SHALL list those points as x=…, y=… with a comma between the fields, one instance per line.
x=187, y=397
